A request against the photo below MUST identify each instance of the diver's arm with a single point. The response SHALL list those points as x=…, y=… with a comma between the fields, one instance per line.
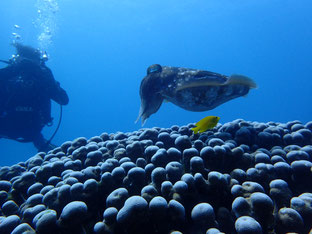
x=57, y=93
x=6, y=73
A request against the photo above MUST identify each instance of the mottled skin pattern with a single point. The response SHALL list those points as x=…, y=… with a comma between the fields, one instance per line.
x=190, y=89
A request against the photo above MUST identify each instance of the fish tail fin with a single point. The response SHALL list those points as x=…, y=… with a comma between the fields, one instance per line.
x=195, y=130
x=242, y=80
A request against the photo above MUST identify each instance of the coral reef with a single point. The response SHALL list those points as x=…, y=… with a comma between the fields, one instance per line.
x=240, y=177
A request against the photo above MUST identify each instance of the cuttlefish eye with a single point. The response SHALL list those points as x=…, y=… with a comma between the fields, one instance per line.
x=155, y=68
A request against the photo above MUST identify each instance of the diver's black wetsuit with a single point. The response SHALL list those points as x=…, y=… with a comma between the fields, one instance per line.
x=26, y=90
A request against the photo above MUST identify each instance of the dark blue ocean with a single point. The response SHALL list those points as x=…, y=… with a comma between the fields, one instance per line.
x=99, y=51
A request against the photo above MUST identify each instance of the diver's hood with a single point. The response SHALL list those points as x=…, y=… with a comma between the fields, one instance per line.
x=29, y=53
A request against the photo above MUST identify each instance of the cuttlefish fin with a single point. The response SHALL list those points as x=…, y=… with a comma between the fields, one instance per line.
x=241, y=80
x=232, y=80
x=197, y=83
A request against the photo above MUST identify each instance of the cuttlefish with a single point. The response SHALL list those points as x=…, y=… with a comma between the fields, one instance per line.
x=190, y=89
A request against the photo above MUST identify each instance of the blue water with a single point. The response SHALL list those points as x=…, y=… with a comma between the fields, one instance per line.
x=99, y=51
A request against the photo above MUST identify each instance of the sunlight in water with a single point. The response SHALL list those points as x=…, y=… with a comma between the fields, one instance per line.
x=46, y=22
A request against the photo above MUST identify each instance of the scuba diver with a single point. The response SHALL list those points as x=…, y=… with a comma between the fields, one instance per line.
x=27, y=86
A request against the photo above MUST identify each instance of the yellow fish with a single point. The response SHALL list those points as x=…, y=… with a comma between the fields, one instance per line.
x=205, y=124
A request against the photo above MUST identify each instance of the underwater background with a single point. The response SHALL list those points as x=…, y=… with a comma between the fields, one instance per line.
x=99, y=51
